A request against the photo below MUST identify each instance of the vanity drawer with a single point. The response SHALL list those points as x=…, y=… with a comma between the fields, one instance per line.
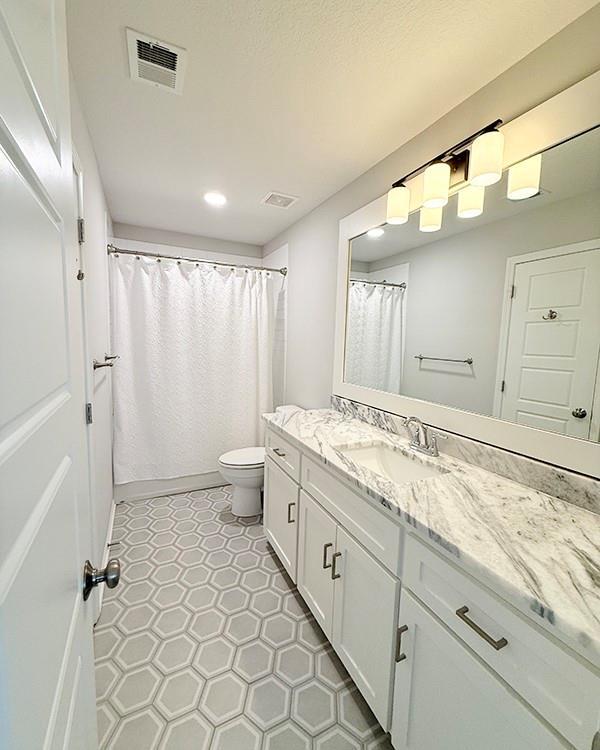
x=381, y=536
x=557, y=684
x=283, y=454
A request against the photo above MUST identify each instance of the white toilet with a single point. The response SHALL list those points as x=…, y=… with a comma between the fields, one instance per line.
x=244, y=469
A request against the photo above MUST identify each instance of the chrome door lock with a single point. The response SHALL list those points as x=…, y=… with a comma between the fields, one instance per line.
x=92, y=577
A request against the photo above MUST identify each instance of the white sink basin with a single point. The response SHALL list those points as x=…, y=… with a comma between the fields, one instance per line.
x=385, y=461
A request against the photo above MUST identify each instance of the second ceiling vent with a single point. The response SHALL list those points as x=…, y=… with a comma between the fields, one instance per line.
x=155, y=62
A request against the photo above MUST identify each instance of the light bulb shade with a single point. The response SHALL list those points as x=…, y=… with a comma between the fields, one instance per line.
x=436, y=183
x=470, y=201
x=524, y=178
x=430, y=219
x=485, y=160
x=398, y=205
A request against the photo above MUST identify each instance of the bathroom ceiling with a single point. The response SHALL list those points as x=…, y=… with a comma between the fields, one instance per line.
x=299, y=97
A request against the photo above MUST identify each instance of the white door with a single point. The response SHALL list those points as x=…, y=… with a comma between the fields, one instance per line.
x=444, y=696
x=553, y=343
x=280, y=515
x=46, y=675
x=316, y=545
x=365, y=609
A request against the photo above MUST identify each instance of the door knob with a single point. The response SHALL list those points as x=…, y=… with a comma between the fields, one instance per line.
x=98, y=365
x=579, y=413
x=92, y=577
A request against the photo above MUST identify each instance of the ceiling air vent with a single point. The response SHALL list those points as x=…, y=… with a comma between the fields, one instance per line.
x=157, y=63
x=279, y=200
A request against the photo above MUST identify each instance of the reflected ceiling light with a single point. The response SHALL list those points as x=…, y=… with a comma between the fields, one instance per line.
x=485, y=162
x=436, y=183
x=430, y=219
x=398, y=205
x=215, y=199
x=524, y=179
x=470, y=201
x=375, y=233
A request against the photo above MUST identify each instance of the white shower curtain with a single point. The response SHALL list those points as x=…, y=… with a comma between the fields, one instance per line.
x=194, y=374
x=374, y=347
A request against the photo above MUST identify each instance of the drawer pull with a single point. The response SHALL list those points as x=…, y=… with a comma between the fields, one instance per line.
x=290, y=519
x=279, y=452
x=334, y=573
x=325, y=548
x=399, y=655
x=500, y=643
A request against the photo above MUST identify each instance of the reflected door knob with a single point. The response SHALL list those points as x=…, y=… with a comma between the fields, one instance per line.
x=579, y=413
x=92, y=576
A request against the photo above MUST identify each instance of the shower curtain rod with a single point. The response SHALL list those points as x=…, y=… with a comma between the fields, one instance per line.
x=378, y=283
x=113, y=250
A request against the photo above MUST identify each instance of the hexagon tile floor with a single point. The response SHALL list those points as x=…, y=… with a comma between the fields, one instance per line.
x=206, y=644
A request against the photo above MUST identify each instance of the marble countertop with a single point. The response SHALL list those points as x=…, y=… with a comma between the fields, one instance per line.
x=537, y=552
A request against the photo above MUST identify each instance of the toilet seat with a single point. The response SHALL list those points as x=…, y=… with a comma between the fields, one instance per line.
x=244, y=458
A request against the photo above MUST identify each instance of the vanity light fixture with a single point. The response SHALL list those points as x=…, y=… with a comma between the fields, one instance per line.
x=436, y=184
x=375, y=233
x=430, y=219
x=398, y=205
x=214, y=198
x=524, y=179
x=444, y=174
x=470, y=201
x=485, y=162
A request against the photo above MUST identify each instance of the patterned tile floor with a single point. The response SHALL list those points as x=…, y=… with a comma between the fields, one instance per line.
x=207, y=644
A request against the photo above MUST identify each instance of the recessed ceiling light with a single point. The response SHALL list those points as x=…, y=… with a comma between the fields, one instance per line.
x=375, y=233
x=215, y=199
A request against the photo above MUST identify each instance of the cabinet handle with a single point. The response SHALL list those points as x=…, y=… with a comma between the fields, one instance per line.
x=325, y=548
x=334, y=573
x=279, y=452
x=399, y=655
x=290, y=519
x=500, y=643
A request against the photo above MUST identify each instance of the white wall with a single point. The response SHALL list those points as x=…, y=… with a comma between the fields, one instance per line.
x=313, y=241
x=95, y=291
x=454, y=300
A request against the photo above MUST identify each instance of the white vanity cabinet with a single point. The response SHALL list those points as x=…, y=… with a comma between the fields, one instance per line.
x=281, y=514
x=445, y=697
x=353, y=598
x=442, y=663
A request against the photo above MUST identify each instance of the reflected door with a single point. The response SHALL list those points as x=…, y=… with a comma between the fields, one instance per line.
x=553, y=344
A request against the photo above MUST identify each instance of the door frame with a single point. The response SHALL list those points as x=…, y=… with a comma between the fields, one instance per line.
x=511, y=267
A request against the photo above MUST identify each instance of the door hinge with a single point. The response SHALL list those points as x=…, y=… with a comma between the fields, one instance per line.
x=513, y=291
x=88, y=414
x=80, y=275
x=503, y=386
x=81, y=231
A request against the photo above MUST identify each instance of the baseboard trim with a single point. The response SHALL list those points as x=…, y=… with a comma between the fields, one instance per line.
x=146, y=489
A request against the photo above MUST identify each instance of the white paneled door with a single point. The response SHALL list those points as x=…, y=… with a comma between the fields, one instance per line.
x=553, y=343
x=46, y=661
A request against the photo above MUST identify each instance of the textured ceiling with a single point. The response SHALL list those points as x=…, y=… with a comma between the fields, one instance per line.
x=297, y=97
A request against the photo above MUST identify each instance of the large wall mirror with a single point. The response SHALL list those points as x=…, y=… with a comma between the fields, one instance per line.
x=494, y=313
x=497, y=314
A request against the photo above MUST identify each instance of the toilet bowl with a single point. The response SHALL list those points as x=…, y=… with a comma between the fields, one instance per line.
x=244, y=469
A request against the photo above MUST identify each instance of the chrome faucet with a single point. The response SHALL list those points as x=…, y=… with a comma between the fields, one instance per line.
x=421, y=439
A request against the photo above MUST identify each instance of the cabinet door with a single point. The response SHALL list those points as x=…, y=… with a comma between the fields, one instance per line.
x=445, y=697
x=316, y=545
x=280, y=515
x=364, y=622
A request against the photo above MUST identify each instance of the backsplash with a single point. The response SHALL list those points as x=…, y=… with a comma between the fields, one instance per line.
x=567, y=486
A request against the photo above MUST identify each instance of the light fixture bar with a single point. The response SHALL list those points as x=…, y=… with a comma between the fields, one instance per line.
x=449, y=153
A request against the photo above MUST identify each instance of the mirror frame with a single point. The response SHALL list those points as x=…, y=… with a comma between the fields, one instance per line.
x=564, y=116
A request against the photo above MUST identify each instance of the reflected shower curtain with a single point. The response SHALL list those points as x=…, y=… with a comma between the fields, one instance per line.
x=194, y=374
x=374, y=347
